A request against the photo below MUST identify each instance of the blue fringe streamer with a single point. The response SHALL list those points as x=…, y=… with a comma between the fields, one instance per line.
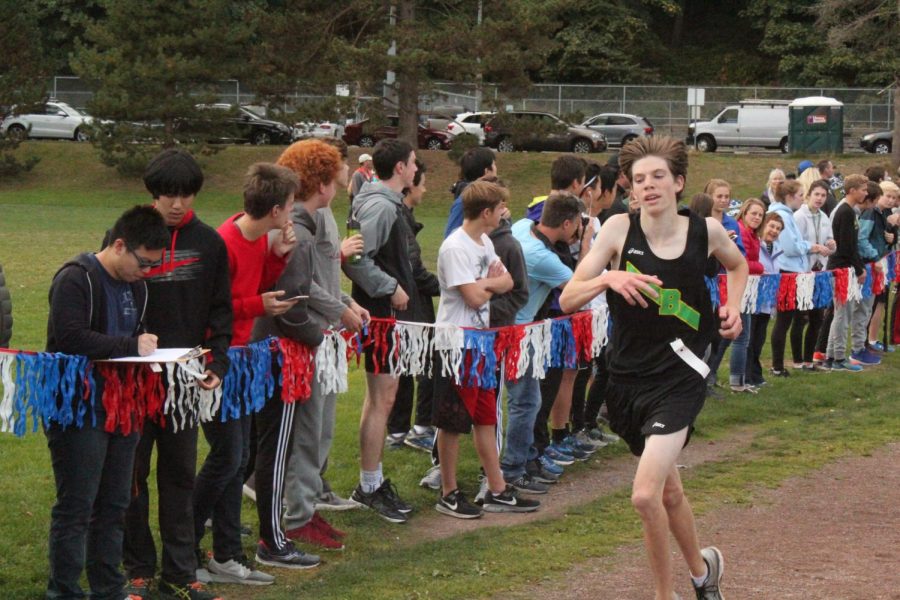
x=712, y=284
x=891, y=266
x=249, y=381
x=823, y=289
x=482, y=370
x=767, y=292
x=867, y=284
x=563, y=351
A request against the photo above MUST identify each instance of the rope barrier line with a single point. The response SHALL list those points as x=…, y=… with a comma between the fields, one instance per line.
x=54, y=388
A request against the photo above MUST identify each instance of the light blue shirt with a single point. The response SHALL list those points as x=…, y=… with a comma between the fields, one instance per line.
x=545, y=270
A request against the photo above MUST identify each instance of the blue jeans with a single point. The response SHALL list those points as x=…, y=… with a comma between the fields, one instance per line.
x=523, y=404
x=93, y=471
x=217, y=489
x=737, y=363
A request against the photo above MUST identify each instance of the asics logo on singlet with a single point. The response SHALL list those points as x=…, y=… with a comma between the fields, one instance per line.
x=635, y=251
x=660, y=425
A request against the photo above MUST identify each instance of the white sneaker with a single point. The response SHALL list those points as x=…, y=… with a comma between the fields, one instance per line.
x=432, y=479
x=234, y=572
x=249, y=492
x=331, y=501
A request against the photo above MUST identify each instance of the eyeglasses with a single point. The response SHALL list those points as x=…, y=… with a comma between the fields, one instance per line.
x=144, y=263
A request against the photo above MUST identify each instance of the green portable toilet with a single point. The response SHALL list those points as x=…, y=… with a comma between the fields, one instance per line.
x=816, y=125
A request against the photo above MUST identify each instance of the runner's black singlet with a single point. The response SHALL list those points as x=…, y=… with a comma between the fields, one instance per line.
x=640, y=342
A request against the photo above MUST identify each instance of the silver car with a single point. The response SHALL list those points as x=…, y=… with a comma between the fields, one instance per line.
x=619, y=128
x=52, y=120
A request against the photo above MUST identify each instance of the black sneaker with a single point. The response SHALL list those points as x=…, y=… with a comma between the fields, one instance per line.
x=138, y=587
x=390, y=492
x=456, y=505
x=715, y=566
x=780, y=372
x=288, y=557
x=508, y=501
x=527, y=485
x=380, y=503
x=539, y=474
x=187, y=591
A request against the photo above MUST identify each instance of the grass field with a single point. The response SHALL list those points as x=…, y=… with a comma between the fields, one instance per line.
x=64, y=206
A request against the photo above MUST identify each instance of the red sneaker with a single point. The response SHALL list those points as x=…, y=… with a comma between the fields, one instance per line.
x=311, y=534
x=818, y=357
x=327, y=528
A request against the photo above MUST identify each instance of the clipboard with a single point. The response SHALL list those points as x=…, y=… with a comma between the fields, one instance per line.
x=165, y=355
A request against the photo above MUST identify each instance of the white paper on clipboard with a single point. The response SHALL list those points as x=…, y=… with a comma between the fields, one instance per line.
x=166, y=355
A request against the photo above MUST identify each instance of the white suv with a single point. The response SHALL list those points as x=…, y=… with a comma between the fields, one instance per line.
x=470, y=122
x=50, y=120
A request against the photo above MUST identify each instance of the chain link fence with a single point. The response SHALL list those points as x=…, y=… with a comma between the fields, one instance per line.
x=865, y=109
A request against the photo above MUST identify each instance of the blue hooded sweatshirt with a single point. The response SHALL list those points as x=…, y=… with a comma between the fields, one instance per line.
x=794, y=248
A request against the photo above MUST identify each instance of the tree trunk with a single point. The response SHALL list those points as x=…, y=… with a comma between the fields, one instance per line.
x=407, y=86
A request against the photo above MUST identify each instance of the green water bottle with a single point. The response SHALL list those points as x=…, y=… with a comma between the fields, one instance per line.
x=353, y=228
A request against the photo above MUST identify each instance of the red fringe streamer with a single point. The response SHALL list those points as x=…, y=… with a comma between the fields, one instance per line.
x=131, y=393
x=722, y=280
x=379, y=329
x=787, y=292
x=877, y=279
x=507, y=349
x=841, y=285
x=584, y=335
x=296, y=371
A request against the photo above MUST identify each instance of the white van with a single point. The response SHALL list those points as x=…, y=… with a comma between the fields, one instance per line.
x=760, y=123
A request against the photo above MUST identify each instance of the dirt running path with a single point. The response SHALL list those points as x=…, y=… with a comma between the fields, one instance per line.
x=832, y=535
x=604, y=476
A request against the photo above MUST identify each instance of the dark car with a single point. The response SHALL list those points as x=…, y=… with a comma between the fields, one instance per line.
x=619, y=128
x=238, y=125
x=525, y=130
x=364, y=134
x=878, y=143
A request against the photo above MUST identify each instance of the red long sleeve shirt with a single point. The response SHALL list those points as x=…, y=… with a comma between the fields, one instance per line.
x=254, y=270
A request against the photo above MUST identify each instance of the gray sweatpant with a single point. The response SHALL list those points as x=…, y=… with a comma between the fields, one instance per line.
x=313, y=434
x=853, y=315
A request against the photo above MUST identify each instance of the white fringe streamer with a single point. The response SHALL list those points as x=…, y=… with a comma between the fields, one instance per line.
x=539, y=341
x=331, y=364
x=599, y=329
x=854, y=289
x=806, y=283
x=7, y=361
x=751, y=294
x=449, y=341
x=416, y=343
x=186, y=402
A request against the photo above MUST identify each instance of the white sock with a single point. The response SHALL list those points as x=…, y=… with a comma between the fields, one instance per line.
x=699, y=581
x=370, y=481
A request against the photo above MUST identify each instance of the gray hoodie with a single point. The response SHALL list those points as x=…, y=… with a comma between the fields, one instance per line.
x=385, y=261
x=296, y=279
x=326, y=300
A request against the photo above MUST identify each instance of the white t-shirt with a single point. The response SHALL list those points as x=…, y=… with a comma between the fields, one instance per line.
x=462, y=260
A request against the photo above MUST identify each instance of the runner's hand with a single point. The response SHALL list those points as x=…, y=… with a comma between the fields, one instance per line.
x=210, y=382
x=731, y=323
x=630, y=285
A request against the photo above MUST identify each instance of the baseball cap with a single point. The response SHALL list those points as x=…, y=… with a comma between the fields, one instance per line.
x=364, y=157
x=804, y=165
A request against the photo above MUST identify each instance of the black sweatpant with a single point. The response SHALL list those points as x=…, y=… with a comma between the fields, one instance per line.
x=804, y=345
x=824, y=330
x=176, y=464
x=759, y=323
x=274, y=439
x=578, y=415
x=549, y=388
x=401, y=413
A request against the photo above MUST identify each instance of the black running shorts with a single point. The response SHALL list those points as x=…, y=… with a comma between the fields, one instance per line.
x=639, y=409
